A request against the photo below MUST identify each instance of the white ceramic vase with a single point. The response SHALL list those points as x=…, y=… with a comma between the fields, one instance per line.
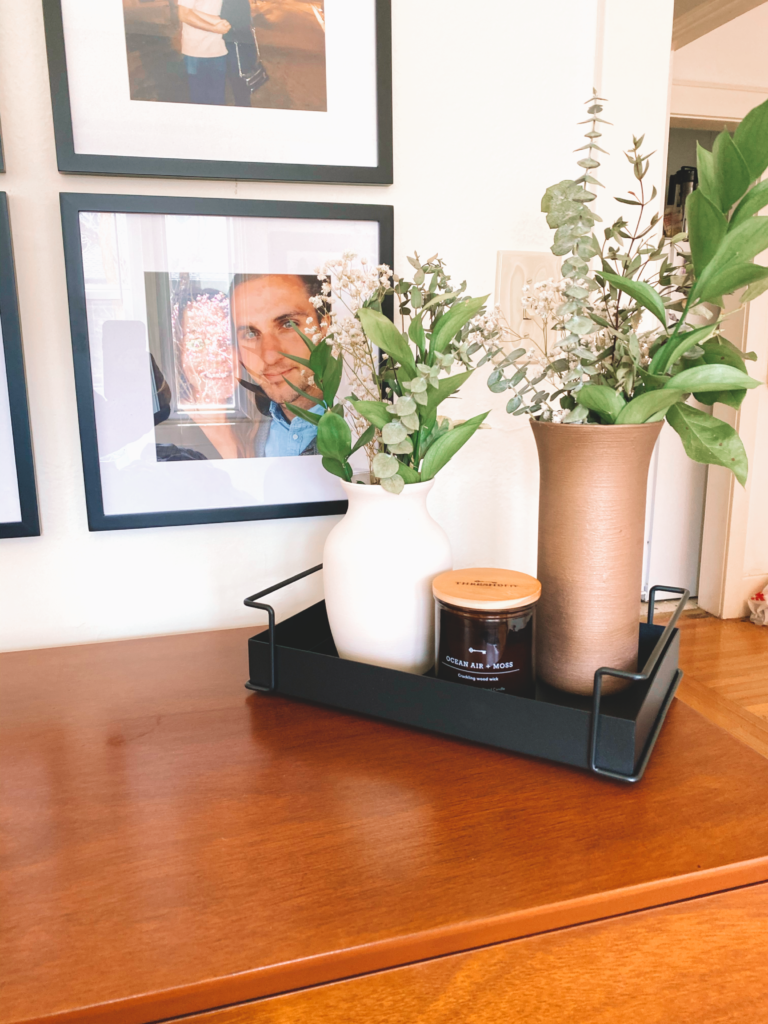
x=378, y=567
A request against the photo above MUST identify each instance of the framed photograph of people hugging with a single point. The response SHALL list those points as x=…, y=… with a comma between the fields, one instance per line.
x=181, y=314
x=269, y=90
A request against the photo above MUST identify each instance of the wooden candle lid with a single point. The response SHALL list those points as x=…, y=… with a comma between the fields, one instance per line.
x=486, y=589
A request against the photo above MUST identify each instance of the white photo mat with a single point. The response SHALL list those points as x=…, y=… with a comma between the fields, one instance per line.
x=118, y=249
x=106, y=121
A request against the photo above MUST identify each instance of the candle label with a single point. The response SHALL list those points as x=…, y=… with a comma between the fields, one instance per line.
x=490, y=650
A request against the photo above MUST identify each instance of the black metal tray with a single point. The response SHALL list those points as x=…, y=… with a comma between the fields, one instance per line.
x=611, y=736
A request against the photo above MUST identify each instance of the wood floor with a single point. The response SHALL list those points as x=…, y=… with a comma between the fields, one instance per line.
x=725, y=662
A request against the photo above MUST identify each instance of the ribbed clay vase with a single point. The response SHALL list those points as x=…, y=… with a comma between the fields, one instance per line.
x=591, y=528
x=378, y=567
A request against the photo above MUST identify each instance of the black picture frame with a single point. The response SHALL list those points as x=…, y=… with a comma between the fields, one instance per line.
x=71, y=162
x=72, y=204
x=29, y=524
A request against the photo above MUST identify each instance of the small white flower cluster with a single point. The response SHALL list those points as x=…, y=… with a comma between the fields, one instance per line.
x=351, y=279
x=543, y=297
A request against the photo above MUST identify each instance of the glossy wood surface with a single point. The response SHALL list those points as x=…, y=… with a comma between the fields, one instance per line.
x=699, y=961
x=726, y=675
x=174, y=844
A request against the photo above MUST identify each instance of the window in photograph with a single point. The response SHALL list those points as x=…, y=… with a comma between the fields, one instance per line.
x=183, y=337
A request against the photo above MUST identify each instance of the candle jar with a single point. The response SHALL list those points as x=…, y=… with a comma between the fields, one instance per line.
x=484, y=622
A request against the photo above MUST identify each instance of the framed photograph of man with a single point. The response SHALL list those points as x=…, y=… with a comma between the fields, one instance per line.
x=285, y=90
x=181, y=313
x=18, y=494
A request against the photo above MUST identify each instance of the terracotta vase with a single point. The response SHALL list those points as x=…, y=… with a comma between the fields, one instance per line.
x=591, y=527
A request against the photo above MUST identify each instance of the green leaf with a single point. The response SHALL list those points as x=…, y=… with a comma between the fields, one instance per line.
x=334, y=438
x=752, y=203
x=376, y=413
x=709, y=440
x=706, y=228
x=446, y=386
x=711, y=378
x=332, y=379
x=755, y=289
x=751, y=137
x=669, y=354
x=731, y=171
x=304, y=414
x=383, y=333
x=449, y=324
x=707, y=179
x=408, y=473
x=722, y=351
x=645, y=407
x=304, y=394
x=365, y=438
x=738, y=248
x=393, y=484
x=731, y=398
x=640, y=292
x=318, y=361
x=417, y=336
x=297, y=359
x=446, y=446
x=651, y=381
x=603, y=400
x=731, y=279
x=342, y=469
x=384, y=466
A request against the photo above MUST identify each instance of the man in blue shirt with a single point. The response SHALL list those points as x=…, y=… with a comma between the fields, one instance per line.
x=264, y=306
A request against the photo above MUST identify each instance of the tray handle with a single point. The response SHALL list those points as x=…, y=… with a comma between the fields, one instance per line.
x=253, y=602
x=638, y=677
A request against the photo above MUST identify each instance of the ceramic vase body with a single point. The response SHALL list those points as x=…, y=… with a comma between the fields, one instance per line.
x=378, y=567
x=591, y=529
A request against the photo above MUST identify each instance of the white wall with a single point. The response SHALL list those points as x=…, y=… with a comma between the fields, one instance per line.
x=486, y=101
x=723, y=74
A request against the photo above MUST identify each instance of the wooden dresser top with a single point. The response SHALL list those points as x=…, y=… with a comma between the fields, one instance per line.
x=174, y=844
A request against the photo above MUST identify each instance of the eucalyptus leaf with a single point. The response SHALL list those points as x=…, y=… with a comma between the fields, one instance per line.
x=411, y=422
x=393, y=433
x=393, y=484
x=709, y=440
x=404, y=447
x=404, y=406
x=384, y=466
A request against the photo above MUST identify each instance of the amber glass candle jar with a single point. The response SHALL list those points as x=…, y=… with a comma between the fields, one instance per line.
x=484, y=628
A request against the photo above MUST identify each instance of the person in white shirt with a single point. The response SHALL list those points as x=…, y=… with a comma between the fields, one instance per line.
x=204, y=50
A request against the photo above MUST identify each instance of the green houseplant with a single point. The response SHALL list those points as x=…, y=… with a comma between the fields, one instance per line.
x=630, y=349
x=398, y=379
